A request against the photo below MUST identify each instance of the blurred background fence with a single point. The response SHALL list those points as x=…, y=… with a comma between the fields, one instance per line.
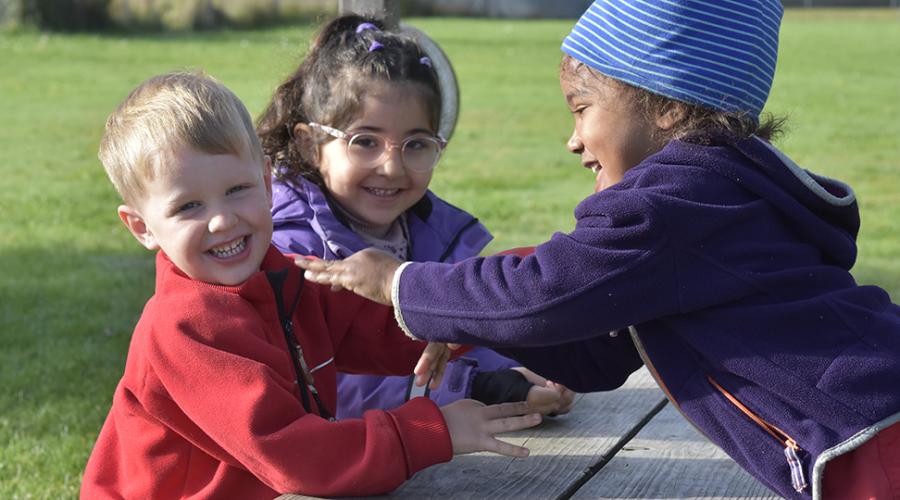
x=180, y=15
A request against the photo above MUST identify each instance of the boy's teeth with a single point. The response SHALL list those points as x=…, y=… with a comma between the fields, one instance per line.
x=230, y=249
x=595, y=168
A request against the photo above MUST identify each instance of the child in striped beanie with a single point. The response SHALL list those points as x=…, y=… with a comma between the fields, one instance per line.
x=727, y=263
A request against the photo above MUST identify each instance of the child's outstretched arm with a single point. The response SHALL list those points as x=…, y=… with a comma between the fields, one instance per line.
x=368, y=273
x=576, y=286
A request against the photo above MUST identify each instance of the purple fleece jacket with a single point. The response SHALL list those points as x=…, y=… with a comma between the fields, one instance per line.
x=306, y=225
x=729, y=265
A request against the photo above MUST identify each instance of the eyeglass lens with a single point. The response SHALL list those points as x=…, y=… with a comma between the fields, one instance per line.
x=418, y=153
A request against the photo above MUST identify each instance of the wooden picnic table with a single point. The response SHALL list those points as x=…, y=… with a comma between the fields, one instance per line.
x=624, y=444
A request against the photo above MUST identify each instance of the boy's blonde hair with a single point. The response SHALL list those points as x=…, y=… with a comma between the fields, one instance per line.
x=168, y=112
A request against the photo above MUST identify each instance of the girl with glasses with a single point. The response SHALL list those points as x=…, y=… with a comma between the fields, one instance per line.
x=353, y=137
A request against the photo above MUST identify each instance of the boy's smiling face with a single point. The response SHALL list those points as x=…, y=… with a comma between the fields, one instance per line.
x=209, y=213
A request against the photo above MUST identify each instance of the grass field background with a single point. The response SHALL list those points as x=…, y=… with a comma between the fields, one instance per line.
x=73, y=282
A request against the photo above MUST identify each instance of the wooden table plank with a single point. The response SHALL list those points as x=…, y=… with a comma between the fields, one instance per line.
x=562, y=449
x=669, y=458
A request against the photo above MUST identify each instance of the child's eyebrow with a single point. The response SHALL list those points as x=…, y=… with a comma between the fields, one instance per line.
x=175, y=201
x=408, y=132
x=571, y=96
x=580, y=92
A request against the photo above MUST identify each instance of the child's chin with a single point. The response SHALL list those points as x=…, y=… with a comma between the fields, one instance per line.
x=235, y=274
x=233, y=279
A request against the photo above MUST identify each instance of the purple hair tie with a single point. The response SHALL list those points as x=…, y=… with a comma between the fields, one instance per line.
x=376, y=45
x=425, y=60
x=366, y=26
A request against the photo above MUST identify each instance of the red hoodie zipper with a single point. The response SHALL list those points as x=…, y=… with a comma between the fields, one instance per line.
x=798, y=480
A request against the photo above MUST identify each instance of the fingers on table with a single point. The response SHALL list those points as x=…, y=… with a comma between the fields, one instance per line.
x=504, y=448
x=506, y=410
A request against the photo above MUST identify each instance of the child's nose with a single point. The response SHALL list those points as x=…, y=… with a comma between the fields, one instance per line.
x=574, y=144
x=222, y=221
x=393, y=163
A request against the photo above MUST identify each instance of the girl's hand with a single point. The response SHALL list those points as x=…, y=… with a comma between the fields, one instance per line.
x=432, y=364
x=547, y=397
x=369, y=273
x=472, y=426
x=566, y=398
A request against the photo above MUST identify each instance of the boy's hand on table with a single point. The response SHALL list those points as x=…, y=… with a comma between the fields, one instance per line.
x=369, y=273
x=473, y=425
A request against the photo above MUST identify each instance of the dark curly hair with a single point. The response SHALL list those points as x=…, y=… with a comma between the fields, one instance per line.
x=329, y=86
x=698, y=124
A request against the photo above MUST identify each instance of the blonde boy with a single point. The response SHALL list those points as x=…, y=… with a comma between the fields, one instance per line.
x=230, y=379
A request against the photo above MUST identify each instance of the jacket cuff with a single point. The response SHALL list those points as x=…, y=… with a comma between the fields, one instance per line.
x=395, y=300
x=424, y=434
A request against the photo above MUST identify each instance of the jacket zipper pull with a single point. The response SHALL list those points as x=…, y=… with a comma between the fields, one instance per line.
x=798, y=481
x=307, y=375
x=304, y=368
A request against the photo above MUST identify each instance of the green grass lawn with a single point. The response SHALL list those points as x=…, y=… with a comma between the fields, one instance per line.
x=74, y=282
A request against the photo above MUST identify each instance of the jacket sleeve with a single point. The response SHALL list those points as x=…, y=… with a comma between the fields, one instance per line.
x=220, y=391
x=600, y=363
x=594, y=280
x=358, y=393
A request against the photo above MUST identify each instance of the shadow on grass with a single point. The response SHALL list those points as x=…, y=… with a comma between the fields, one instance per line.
x=65, y=322
x=65, y=325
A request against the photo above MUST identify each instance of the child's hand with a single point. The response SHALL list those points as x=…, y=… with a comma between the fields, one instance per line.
x=547, y=397
x=432, y=364
x=368, y=273
x=472, y=426
x=552, y=399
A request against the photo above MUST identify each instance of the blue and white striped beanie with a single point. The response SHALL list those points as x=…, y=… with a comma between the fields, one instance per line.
x=716, y=53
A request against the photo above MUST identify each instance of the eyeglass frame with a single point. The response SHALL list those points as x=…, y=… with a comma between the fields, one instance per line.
x=388, y=144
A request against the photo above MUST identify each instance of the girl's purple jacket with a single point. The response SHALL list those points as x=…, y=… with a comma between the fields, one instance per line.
x=729, y=265
x=306, y=225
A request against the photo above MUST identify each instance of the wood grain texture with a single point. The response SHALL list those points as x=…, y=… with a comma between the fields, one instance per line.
x=669, y=458
x=562, y=449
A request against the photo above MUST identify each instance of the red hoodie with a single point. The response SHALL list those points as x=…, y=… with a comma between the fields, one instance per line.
x=209, y=405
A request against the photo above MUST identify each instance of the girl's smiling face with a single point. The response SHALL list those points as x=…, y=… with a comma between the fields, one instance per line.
x=379, y=193
x=609, y=135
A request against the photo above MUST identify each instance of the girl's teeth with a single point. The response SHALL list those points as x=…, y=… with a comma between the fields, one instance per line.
x=230, y=249
x=382, y=192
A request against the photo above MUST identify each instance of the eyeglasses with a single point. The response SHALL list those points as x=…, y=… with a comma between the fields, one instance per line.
x=420, y=153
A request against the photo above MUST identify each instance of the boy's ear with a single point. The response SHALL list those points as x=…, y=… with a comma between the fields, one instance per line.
x=670, y=116
x=137, y=227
